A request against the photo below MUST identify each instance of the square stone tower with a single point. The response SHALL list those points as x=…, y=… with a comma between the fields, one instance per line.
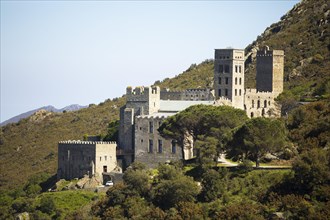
x=270, y=70
x=229, y=75
x=139, y=101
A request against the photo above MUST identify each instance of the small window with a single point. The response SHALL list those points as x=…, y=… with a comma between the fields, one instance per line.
x=219, y=79
x=240, y=69
x=252, y=103
x=226, y=68
x=258, y=104
x=105, y=158
x=227, y=80
x=151, y=146
x=151, y=127
x=100, y=158
x=240, y=81
x=226, y=92
x=240, y=92
x=265, y=104
x=235, y=92
x=105, y=169
x=235, y=80
x=252, y=114
x=141, y=140
x=220, y=68
x=219, y=91
x=173, y=147
x=160, y=146
x=236, y=68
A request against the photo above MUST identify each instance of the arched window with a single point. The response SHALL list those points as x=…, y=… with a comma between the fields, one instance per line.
x=240, y=92
x=235, y=80
x=235, y=92
x=240, y=81
x=251, y=114
x=252, y=103
x=258, y=104
x=265, y=104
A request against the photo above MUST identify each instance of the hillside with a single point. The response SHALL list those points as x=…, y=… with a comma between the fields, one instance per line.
x=304, y=34
x=30, y=146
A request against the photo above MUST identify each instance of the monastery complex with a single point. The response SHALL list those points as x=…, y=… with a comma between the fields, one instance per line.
x=147, y=107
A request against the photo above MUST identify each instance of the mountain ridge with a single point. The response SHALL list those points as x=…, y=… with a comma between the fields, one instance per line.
x=49, y=108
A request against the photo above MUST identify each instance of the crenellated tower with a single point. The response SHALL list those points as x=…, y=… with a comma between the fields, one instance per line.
x=270, y=71
x=140, y=101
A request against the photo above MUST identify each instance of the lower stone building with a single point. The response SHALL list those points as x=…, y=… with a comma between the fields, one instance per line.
x=79, y=158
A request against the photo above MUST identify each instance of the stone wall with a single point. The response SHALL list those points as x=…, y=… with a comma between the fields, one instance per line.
x=150, y=147
x=260, y=104
x=229, y=75
x=78, y=158
x=188, y=95
x=270, y=71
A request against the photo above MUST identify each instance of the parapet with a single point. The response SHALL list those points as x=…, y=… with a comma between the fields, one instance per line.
x=79, y=142
x=266, y=52
x=254, y=92
x=141, y=93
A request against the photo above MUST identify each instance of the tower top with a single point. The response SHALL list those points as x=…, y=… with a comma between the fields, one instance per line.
x=229, y=54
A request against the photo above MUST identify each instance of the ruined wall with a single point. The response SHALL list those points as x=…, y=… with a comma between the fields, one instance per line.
x=260, y=104
x=198, y=95
x=167, y=94
x=188, y=95
x=150, y=147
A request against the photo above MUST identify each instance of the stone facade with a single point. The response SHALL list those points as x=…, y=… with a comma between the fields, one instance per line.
x=229, y=75
x=270, y=71
x=188, y=95
x=150, y=147
x=79, y=158
x=147, y=107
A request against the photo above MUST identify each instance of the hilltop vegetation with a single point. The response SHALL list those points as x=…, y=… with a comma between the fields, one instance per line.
x=303, y=33
x=30, y=146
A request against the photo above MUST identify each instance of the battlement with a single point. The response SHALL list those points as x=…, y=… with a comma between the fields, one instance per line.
x=151, y=117
x=141, y=93
x=254, y=91
x=229, y=54
x=141, y=90
x=266, y=52
x=79, y=142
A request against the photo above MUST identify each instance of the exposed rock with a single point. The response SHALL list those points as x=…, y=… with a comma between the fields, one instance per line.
x=39, y=116
x=86, y=182
x=23, y=216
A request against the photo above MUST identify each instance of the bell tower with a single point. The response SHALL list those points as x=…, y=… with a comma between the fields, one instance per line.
x=229, y=75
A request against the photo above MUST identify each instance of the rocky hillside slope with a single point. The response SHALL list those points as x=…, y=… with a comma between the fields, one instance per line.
x=30, y=146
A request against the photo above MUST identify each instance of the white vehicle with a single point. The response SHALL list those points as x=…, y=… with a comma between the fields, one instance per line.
x=109, y=183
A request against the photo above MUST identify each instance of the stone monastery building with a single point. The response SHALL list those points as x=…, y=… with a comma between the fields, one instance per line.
x=147, y=107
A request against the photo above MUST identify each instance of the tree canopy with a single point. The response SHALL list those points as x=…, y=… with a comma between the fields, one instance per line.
x=257, y=137
x=210, y=126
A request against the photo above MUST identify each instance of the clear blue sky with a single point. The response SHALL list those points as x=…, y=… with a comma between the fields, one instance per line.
x=81, y=52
